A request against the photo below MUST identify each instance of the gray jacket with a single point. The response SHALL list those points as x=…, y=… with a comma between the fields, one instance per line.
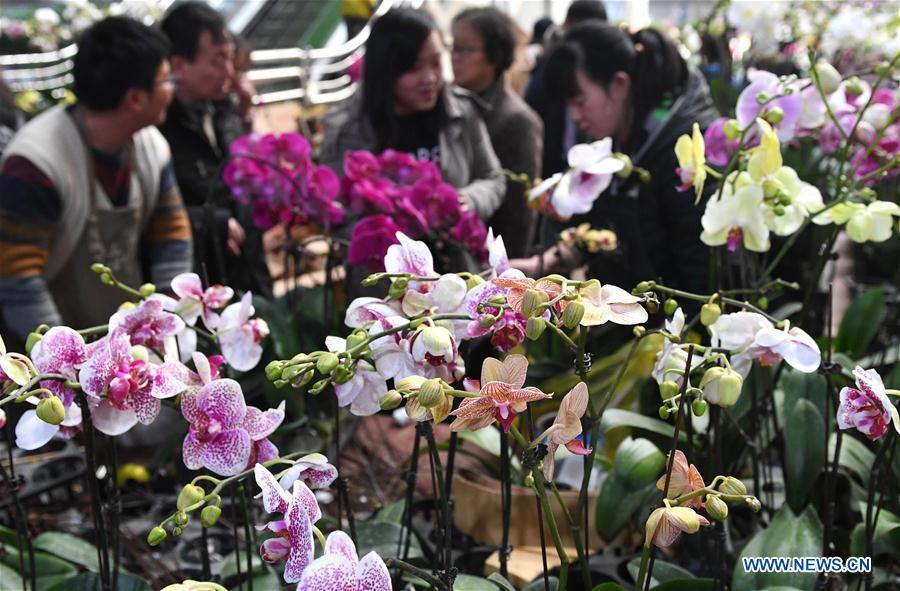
x=517, y=135
x=468, y=161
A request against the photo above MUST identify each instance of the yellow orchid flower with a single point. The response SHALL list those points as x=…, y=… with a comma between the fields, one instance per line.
x=765, y=159
x=691, y=154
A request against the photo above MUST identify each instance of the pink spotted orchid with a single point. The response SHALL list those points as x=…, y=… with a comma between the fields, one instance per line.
x=502, y=395
x=364, y=389
x=508, y=330
x=223, y=429
x=123, y=386
x=240, y=335
x=567, y=427
x=148, y=324
x=340, y=569
x=313, y=469
x=195, y=302
x=867, y=407
x=293, y=541
x=61, y=351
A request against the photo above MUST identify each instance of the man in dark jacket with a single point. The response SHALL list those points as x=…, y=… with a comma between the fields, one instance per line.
x=228, y=247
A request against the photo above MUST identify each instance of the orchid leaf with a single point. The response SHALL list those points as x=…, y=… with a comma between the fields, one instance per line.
x=663, y=572
x=501, y=581
x=861, y=323
x=804, y=451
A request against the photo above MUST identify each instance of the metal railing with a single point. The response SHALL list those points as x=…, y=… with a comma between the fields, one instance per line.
x=312, y=76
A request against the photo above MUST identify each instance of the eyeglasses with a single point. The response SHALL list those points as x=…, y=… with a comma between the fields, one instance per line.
x=463, y=49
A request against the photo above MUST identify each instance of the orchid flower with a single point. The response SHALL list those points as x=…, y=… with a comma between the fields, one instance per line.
x=294, y=532
x=13, y=366
x=690, y=151
x=414, y=408
x=196, y=302
x=517, y=286
x=567, y=427
x=748, y=107
x=508, y=330
x=874, y=222
x=666, y=524
x=123, y=388
x=867, y=407
x=364, y=389
x=223, y=428
x=339, y=569
x=497, y=257
x=313, y=469
x=591, y=168
x=806, y=200
x=240, y=336
x=609, y=303
x=685, y=478
x=148, y=324
x=61, y=350
x=410, y=256
x=736, y=332
x=502, y=395
x=737, y=217
x=671, y=357
x=795, y=346
x=362, y=312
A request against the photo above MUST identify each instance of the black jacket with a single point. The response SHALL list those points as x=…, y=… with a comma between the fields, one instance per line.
x=658, y=227
x=198, y=169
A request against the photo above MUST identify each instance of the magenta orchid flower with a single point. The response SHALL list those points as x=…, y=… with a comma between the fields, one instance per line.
x=567, y=427
x=719, y=149
x=294, y=532
x=196, y=302
x=123, y=387
x=339, y=569
x=502, y=395
x=148, y=324
x=867, y=407
x=240, y=336
x=61, y=350
x=370, y=240
x=223, y=428
x=313, y=469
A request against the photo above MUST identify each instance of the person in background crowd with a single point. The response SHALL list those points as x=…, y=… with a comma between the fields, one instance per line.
x=640, y=92
x=93, y=183
x=405, y=105
x=243, y=91
x=228, y=246
x=484, y=45
x=11, y=118
x=559, y=132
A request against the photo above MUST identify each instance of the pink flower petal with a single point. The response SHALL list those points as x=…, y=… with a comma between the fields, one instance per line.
x=275, y=498
x=340, y=543
x=329, y=573
x=187, y=285
x=109, y=420
x=373, y=574
x=228, y=453
x=192, y=452
x=59, y=351
x=274, y=550
x=223, y=401
x=259, y=424
x=146, y=407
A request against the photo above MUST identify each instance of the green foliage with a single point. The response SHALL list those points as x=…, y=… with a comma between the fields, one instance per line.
x=630, y=486
x=804, y=451
x=861, y=323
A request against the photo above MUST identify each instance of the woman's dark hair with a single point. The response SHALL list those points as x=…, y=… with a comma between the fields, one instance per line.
x=114, y=55
x=497, y=32
x=600, y=50
x=184, y=24
x=392, y=50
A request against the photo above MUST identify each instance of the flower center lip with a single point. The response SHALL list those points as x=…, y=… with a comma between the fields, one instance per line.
x=206, y=428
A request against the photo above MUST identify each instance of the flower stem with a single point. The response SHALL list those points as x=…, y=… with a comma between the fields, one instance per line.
x=541, y=490
x=642, y=572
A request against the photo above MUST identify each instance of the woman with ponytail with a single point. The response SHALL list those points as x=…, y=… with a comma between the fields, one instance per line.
x=637, y=90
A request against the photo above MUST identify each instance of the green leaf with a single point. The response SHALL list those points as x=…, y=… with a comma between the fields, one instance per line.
x=381, y=537
x=44, y=564
x=489, y=441
x=855, y=457
x=9, y=536
x=470, y=583
x=663, y=572
x=861, y=323
x=687, y=585
x=639, y=461
x=10, y=578
x=501, y=581
x=886, y=538
x=230, y=568
x=391, y=513
x=70, y=548
x=538, y=584
x=608, y=587
x=805, y=451
x=796, y=386
x=91, y=582
x=614, y=418
x=787, y=535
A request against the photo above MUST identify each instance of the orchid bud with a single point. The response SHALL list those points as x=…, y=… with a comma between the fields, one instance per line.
x=754, y=504
x=762, y=97
x=300, y=357
x=2, y=418
x=668, y=389
x=127, y=306
x=274, y=370
x=398, y=288
x=878, y=115
x=391, y=400
x=883, y=69
x=670, y=306
x=698, y=407
x=529, y=480
x=732, y=129
x=643, y=286
x=437, y=339
x=639, y=331
x=829, y=77
x=721, y=386
x=177, y=530
x=341, y=374
x=664, y=412
x=487, y=321
x=279, y=383
x=652, y=306
x=627, y=169
x=31, y=341
x=189, y=495
x=293, y=371
x=99, y=268
x=774, y=115
x=431, y=393
x=573, y=314
x=762, y=302
x=854, y=86
x=156, y=536
x=319, y=386
x=732, y=486
x=532, y=299
x=474, y=281
x=372, y=279
x=716, y=507
x=709, y=313
x=147, y=290
x=535, y=328
x=51, y=410
x=326, y=363
x=210, y=515
x=865, y=132
x=356, y=338
x=181, y=519
x=106, y=279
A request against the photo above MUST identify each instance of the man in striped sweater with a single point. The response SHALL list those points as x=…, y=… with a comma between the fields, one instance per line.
x=93, y=183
